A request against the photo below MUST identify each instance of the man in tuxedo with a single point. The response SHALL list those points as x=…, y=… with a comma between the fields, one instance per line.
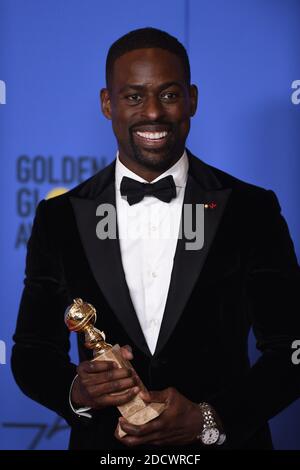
x=186, y=311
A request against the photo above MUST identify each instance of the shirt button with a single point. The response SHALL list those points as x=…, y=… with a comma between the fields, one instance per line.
x=153, y=228
x=154, y=274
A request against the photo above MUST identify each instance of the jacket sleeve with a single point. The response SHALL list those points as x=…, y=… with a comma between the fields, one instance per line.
x=272, y=287
x=40, y=361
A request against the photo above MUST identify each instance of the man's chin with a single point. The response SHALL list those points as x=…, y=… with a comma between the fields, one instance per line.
x=155, y=159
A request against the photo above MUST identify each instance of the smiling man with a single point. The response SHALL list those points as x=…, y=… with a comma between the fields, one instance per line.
x=185, y=313
x=150, y=101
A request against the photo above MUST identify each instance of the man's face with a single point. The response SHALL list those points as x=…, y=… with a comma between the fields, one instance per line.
x=150, y=104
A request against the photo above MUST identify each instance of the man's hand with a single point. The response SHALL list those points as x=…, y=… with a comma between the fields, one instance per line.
x=98, y=379
x=178, y=424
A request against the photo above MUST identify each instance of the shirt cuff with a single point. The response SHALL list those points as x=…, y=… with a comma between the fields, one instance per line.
x=79, y=411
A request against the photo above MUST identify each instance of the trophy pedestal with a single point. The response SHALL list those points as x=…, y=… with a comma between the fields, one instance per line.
x=136, y=411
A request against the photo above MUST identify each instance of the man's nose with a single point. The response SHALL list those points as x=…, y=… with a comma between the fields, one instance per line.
x=153, y=108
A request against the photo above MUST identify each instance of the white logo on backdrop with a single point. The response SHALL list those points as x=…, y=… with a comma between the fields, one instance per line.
x=295, y=96
x=2, y=92
x=2, y=352
x=296, y=354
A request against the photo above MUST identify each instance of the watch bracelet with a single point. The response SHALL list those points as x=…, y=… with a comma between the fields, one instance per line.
x=209, y=421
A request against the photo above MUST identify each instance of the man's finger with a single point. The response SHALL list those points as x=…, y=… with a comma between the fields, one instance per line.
x=156, y=397
x=127, y=352
x=117, y=400
x=107, y=376
x=114, y=386
x=94, y=367
x=132, y=441
x=155, y=425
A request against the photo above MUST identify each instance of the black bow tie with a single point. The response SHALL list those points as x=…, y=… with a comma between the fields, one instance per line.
x=163, y=189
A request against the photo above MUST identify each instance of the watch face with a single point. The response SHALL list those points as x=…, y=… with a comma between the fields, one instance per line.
x=210, y=436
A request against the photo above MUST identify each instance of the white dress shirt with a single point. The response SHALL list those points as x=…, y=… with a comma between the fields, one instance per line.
x=148, y=233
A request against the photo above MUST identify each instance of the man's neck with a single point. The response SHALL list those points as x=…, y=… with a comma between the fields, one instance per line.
x=140, y=170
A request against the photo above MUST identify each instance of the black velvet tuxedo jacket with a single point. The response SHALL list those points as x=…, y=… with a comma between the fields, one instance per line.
x=245, y=275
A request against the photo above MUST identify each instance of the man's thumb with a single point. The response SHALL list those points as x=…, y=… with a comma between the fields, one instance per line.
x=156, y=397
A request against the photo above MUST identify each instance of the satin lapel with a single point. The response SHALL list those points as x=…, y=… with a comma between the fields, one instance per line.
x=104, y=258
x=188, y=264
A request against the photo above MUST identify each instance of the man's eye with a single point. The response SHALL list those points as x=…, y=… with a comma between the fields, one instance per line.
x=134, y=98
x=169, y=96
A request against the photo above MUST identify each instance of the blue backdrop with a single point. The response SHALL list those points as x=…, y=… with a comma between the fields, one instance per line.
x=245, y=61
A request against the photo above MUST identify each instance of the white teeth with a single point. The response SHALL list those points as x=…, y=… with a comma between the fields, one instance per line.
x=152, y=135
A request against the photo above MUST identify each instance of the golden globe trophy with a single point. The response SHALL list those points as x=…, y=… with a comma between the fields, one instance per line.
x=81, y=317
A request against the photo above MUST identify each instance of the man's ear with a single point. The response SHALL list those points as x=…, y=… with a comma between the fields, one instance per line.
x=193, y=99
x=105, y=103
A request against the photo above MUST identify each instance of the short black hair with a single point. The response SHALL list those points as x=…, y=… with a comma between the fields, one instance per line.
x=144, y=38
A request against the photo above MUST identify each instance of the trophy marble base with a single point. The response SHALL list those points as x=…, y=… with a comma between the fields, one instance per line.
x=136, y=411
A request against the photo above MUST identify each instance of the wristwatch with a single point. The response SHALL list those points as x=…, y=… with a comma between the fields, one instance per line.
x=210, y=433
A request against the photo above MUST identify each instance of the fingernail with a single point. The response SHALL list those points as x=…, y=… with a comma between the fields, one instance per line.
x=136, y=389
